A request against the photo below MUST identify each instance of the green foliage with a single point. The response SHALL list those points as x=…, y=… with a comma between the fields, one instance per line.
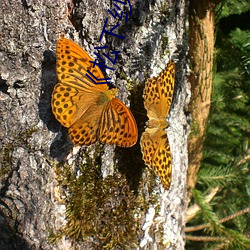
x=226, y=153
x=218, y=176
x=230, y=7
x=207, y=211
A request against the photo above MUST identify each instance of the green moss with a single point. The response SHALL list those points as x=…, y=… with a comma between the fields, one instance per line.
x=195, y=129
x=164, y=10
x=19, y=140
x=129, y=83
x=123, y=76
x=5, y=160
x=103, y=212
x=164, y=45
x=28, y=133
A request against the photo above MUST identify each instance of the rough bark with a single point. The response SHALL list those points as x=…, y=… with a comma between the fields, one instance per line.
x=32, y=142
x=201, y=41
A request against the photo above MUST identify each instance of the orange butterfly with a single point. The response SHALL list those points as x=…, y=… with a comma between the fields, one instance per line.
x=90, y=111
x=158, y=93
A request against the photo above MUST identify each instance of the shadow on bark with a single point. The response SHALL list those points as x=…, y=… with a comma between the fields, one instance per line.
x=130, y=159
x=61, y=145
x=9, y=239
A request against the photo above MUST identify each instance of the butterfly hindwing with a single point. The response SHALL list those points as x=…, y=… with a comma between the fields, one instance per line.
x=118, y=125
x=84, y=133
x=157, y=155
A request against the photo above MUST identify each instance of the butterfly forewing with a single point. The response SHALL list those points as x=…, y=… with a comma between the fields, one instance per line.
x=72, y=65
x=158, y=92
x=62, y=104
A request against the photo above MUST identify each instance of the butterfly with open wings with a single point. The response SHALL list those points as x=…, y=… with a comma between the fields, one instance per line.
x=158, y=94
x=90, y=111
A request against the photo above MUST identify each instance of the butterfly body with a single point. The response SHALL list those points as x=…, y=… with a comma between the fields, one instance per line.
x=157, y=123
x=107, y=96
x=90, y=111
x=158, y=93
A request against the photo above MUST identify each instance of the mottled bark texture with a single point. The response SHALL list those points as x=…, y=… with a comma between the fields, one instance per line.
x=41, y=171
x=201, y=41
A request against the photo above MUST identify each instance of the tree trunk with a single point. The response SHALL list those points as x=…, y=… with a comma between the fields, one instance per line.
x=201, y=40
x=54, y=195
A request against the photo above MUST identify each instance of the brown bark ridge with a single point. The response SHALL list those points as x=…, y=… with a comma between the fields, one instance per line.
x=54, y=195
x=201, y=41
